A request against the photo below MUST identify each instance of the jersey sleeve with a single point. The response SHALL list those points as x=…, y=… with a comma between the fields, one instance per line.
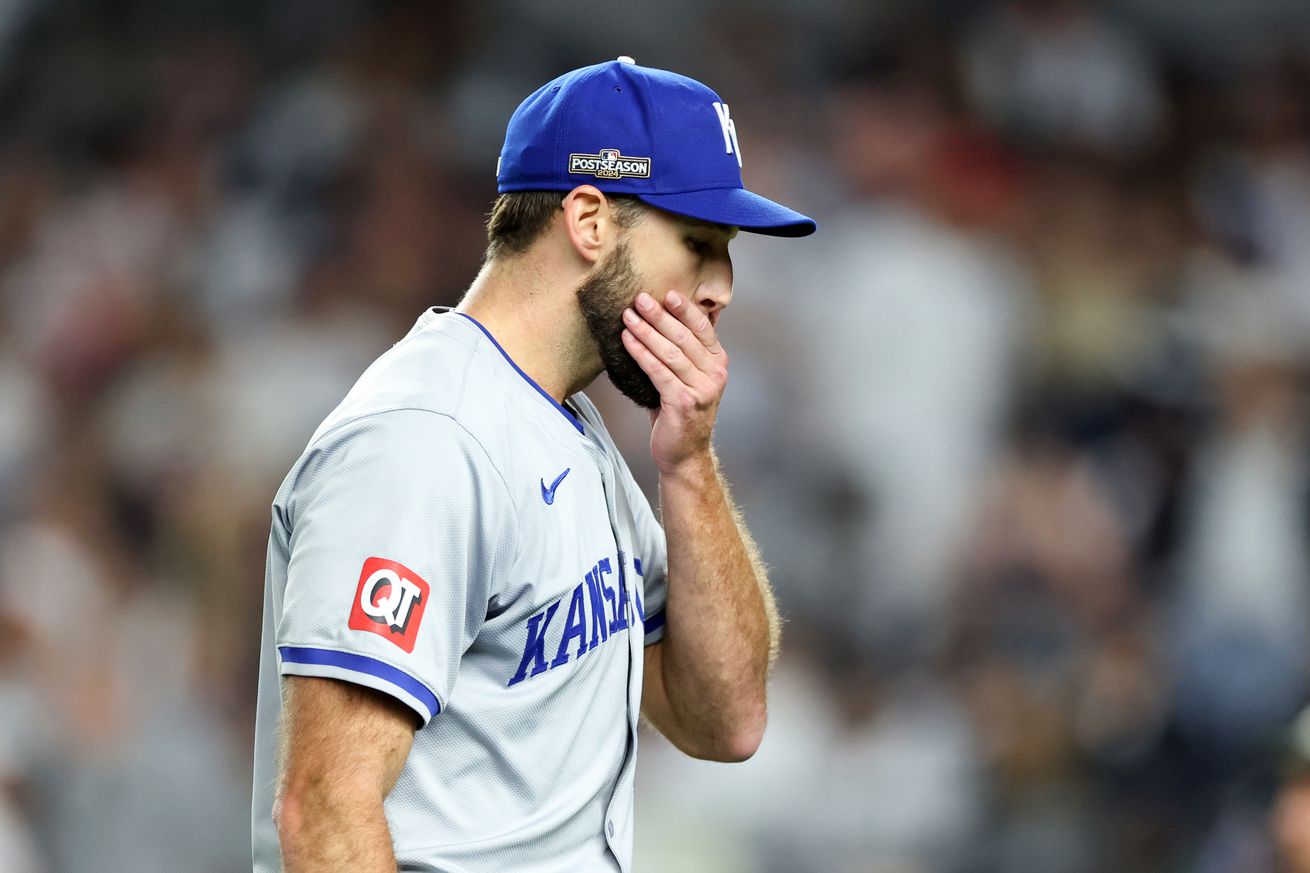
x=399, y=525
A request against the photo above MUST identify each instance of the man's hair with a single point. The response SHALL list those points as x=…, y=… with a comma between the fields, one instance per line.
x=518, y=218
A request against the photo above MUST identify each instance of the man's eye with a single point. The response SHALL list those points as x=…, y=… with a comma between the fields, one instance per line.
x=700, y=247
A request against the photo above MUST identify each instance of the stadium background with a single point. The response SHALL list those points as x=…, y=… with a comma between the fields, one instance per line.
x=1022, y=432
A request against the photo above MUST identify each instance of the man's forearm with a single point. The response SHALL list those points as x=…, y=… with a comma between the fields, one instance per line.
x=722, y=623
x=342, y=747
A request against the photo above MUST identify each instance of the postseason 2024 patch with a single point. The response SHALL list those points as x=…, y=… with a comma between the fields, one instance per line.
x=609, y=164
x=389, y=602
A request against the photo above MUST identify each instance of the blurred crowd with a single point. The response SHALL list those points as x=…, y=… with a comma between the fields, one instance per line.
x=1022, y=431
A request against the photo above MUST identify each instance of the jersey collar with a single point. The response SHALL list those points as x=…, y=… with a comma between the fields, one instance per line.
x=564, y=410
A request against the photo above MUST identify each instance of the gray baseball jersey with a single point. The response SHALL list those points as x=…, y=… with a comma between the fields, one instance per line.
x=455, y=538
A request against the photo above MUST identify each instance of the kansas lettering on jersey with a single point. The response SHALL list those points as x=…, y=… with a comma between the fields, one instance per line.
x=427, y=545
x=594, y=604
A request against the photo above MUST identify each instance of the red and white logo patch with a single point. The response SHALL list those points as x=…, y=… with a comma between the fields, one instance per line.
x=390, y=602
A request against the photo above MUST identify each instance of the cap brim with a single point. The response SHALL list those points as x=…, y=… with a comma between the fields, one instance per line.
x=737, y=207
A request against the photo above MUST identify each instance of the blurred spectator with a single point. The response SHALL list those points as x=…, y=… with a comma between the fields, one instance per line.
x=1254, y=186
x=1243, y=605
x=910, y=354
x=1061, y=73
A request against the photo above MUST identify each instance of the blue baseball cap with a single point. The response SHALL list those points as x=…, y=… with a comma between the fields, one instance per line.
x=627, y=129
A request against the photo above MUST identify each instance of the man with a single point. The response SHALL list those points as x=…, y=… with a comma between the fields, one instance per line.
x=465, y=588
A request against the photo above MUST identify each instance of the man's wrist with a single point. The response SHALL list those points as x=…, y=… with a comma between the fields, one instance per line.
x=696, y=472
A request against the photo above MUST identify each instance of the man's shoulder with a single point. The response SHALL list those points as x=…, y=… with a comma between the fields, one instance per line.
x=441, y=384
x=412, y=394
x=426, y=370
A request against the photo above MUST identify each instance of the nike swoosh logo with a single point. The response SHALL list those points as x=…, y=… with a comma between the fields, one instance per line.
x=548, y=494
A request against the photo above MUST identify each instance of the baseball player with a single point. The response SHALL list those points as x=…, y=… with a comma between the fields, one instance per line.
x=468, y=601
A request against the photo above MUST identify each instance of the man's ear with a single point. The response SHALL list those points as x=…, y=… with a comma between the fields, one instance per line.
x=589, y=222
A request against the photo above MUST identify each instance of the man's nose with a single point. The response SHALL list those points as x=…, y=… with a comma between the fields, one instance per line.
x=715, y=290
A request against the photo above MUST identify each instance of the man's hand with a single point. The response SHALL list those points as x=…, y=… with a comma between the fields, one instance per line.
x=679, y=350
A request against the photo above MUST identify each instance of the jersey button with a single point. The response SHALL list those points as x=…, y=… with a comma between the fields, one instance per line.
x=609, y=827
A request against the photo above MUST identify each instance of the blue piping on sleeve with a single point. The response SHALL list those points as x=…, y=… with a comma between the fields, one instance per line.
x=363, y=664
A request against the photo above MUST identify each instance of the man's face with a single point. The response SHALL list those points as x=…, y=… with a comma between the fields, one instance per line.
x=660, y=253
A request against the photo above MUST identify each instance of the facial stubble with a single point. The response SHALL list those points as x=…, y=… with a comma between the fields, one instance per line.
x=602, y=298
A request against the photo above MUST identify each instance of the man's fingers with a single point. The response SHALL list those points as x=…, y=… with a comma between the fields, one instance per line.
x=695, y=319
x=674, y=329
x=673, y=356
x=664, y=379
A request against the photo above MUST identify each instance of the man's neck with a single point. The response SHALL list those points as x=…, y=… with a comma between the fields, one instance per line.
x=536, y=321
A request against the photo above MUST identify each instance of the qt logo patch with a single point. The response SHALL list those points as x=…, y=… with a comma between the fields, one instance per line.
x=389, y=602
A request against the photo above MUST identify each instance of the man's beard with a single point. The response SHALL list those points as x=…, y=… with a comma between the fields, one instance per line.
x=602, y=298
